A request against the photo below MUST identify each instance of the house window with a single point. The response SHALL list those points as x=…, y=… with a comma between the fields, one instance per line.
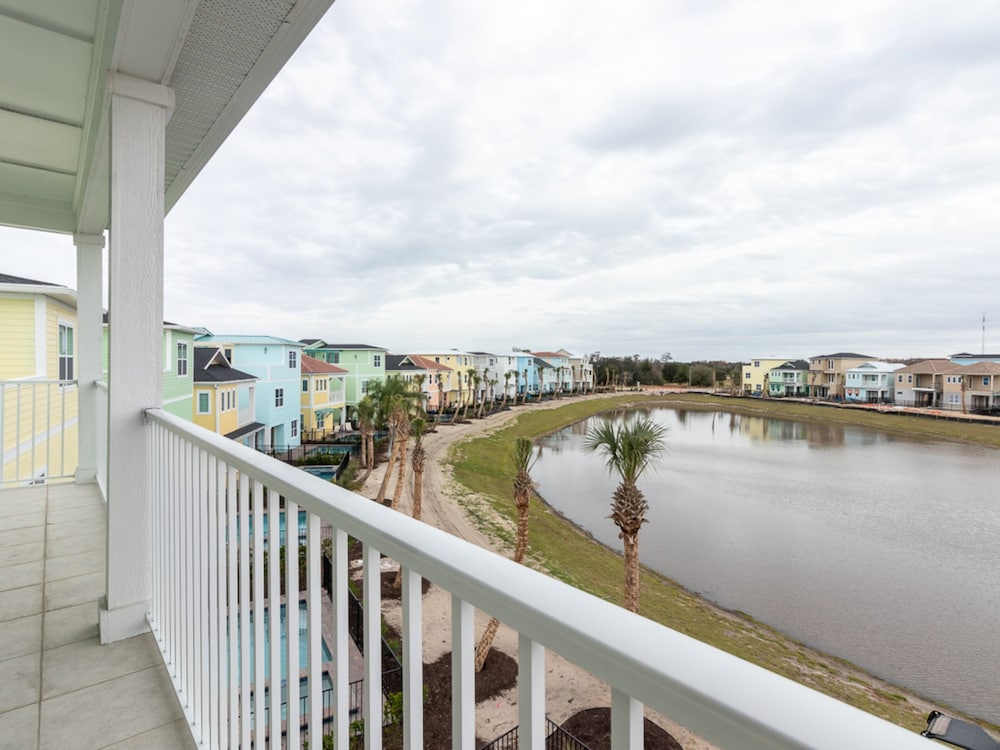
x=909, y=378
x=295, y=428
x=204, y=403
x=748, y=376
x=986, y=380
x=293, y=359
x=756, y=363
x=65, y=352
x=305, y=385
x=320, y=421
x=229, y=355
x=364, y=387
x=378, y=360
x=182, y=359
x=279, y=397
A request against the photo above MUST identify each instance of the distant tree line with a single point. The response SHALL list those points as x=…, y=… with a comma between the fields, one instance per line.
x=628, y=371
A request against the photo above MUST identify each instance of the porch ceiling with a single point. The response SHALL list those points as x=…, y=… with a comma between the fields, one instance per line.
x=217, y=55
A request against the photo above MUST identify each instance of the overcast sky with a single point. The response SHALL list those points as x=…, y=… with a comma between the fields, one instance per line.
x=709, y=179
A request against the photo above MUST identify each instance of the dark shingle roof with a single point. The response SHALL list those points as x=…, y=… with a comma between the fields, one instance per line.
x=218, y=373
x=8, y=279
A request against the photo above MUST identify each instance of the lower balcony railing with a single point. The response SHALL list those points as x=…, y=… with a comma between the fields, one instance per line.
x=212, y=585
x=38, y=431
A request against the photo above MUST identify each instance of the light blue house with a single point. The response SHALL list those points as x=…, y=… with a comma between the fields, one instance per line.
x=277, y=363
x=528, y=364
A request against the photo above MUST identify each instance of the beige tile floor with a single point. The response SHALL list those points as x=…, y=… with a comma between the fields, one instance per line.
x=59, y=688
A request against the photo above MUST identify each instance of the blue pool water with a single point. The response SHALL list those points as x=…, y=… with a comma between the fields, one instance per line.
x=323, y=472
x=303, y=643
x=281, y=526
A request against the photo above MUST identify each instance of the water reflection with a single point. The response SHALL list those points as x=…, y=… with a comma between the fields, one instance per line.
x=882, y=550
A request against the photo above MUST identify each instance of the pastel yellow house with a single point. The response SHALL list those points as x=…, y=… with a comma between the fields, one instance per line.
x=323, y=401
x=755, y=375
x=456, y=366
x=224, y=398
x=38, y=393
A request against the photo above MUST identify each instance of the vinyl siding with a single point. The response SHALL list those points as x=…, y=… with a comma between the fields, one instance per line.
x=17, y=338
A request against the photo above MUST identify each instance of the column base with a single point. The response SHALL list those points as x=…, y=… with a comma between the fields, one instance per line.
x=122, y=622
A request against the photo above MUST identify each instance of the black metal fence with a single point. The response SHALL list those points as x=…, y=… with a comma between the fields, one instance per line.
x=556, y=738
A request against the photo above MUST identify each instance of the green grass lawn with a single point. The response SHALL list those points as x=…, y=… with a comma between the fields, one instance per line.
x=482, y=466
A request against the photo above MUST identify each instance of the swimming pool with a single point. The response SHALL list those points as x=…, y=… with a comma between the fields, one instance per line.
x=303, y=643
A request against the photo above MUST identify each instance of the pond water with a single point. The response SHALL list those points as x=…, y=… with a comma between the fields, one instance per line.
x=876, y=548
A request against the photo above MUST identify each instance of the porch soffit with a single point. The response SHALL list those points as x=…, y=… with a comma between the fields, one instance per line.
x=217, y=55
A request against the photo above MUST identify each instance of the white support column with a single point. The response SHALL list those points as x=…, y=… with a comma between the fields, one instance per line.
x=627, y=722
x=139, y=112
x=89, y=341
x=530, y=694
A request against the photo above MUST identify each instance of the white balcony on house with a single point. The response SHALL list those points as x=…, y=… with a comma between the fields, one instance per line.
x=133, y=605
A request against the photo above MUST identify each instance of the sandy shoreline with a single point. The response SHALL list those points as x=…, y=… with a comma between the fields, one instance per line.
x=569, y=689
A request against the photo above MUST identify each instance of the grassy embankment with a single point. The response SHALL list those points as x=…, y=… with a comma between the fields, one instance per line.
x=482, y=467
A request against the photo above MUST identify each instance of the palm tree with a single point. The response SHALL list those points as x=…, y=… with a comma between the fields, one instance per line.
x=541, y=374
x=522, y=456
x=440, y=385
x=417, y=460
x=486, y=384
x=524, y=399
x=629, y=449
x=506, y=387
x=365, y=412
x=470, y=376
x=395, y=402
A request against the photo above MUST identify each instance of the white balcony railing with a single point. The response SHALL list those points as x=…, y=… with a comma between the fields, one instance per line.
x=210, y=591
x=38, y=431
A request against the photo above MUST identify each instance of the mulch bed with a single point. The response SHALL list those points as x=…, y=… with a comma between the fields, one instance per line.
x=593, y=728
x=499, y=673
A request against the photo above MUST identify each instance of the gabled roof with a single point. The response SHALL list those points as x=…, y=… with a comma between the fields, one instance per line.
x=878, y=366
x=484, y=354
x=978, y=368
x=400, y=363
x=966, y=355
x=842, y=355
x=340, y=347
x=426, y=363
x=797, y=364
x=6, y=278
x=930, y=367
x=549, y=354
x=311, y=366
x=21, y=285
x=249, y=340
x=211, y=366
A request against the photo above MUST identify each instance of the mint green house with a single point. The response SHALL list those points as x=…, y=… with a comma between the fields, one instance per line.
x=178, y=382
x=364, y=364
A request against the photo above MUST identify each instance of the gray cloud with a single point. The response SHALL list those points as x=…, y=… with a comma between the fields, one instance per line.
x=717, y=180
